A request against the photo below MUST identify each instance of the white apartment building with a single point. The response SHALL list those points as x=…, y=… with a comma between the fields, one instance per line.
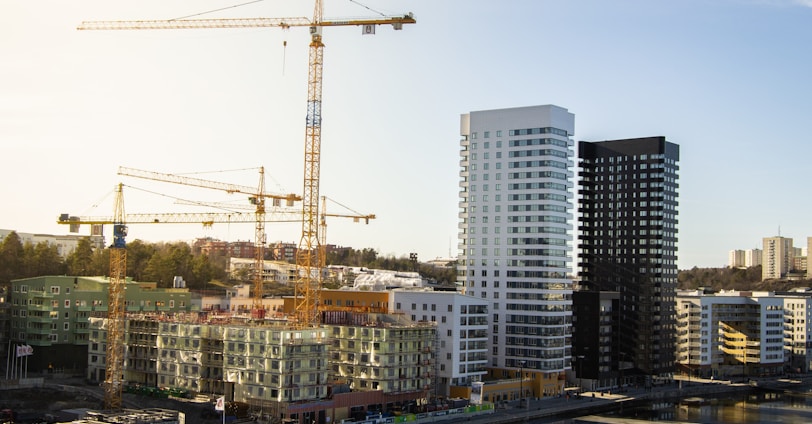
x=744, y=258
x=808, y=249
x=515, y=241
x=462, y=332
x=273, y=271
x=777, y=254
x=752, y=257
x=735, y=258
x=730, y=333
x=65, y=244
x=798, y=330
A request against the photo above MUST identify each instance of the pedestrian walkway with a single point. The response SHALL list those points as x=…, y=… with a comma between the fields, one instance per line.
x=592, y=403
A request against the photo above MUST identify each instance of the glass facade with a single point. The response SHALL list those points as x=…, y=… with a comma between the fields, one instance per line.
x=628, y=241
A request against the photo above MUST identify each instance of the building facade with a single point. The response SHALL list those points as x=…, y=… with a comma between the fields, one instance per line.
x=459, y=351
x=628, y=244
x=65, y=244
x=735, y=258
x=461, y=347
x=284, y=371
x=516, y=180
x=52, y=314
x=596, y=321
x=733, y=333
x=752, y=257
x=230, y=249
x=777, y=257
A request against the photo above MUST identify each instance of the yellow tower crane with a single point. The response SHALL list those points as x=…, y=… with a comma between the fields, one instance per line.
x=113, y=376
x=257, y=198
x=307, y=292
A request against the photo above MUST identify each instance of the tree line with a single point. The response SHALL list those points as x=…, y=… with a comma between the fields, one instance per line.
x=369, y=258
x=154, y=262
x=746, y=279
x=161, y=262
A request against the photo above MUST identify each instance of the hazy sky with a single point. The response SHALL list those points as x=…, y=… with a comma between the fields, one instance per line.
x=727, y=80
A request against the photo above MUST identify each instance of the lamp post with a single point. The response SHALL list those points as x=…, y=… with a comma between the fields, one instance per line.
x=521, y=389
x=580, y=369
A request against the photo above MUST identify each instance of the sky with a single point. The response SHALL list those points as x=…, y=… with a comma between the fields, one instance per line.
x=727, y=80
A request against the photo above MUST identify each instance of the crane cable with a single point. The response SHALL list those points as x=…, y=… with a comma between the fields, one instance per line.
x=216, y=10
x=367, y=7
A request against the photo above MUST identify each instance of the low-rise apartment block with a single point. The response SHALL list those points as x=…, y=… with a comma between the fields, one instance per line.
x=52, y=314
x=274, y=366
x=731, y=333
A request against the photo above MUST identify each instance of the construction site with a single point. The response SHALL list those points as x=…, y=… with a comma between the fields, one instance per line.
x=352, y=364
x=315, y=363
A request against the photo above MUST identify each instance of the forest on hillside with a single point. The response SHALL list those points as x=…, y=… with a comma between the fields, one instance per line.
x=734, y=279
x=161, y=262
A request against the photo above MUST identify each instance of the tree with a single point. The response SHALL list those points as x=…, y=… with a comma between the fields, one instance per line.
x=11, y=258
x=79, y=262
x=169, y=260
x=43, y=259
x=203, y=270
x=138, y=256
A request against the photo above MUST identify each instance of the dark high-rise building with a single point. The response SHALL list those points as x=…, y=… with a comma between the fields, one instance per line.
x=627, y=243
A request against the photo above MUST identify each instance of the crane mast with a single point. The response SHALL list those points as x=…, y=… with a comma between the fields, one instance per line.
x=113, y=375
x=307, y=293
x=257, y=311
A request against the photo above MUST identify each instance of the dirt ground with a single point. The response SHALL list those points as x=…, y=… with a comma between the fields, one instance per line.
x=43, y=404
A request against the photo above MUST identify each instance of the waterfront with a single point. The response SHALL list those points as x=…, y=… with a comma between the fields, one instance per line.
x=764, y=407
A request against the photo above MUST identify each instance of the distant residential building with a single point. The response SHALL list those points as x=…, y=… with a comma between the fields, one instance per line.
x=799, y=265
x=808, y=249
x=777, y=254
x=51, y=314
x=797, y=330
x=65, y=244
x=230, y=249
x=752, y=257
x=273, y=271
x=736, y=259
x=239, y=299
x=282, y=251
x=735, y=333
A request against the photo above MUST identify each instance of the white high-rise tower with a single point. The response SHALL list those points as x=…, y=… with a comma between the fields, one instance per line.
x=515, y=240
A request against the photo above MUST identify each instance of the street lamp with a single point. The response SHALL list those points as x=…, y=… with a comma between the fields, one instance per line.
x=521, y=390
x=580, y=369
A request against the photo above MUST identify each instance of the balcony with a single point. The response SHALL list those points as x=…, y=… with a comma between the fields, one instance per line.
x=39, y=308
x=39, y=319
x=39, y=330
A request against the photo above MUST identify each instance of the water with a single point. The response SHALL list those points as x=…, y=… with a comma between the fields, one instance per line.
x=752, y=408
